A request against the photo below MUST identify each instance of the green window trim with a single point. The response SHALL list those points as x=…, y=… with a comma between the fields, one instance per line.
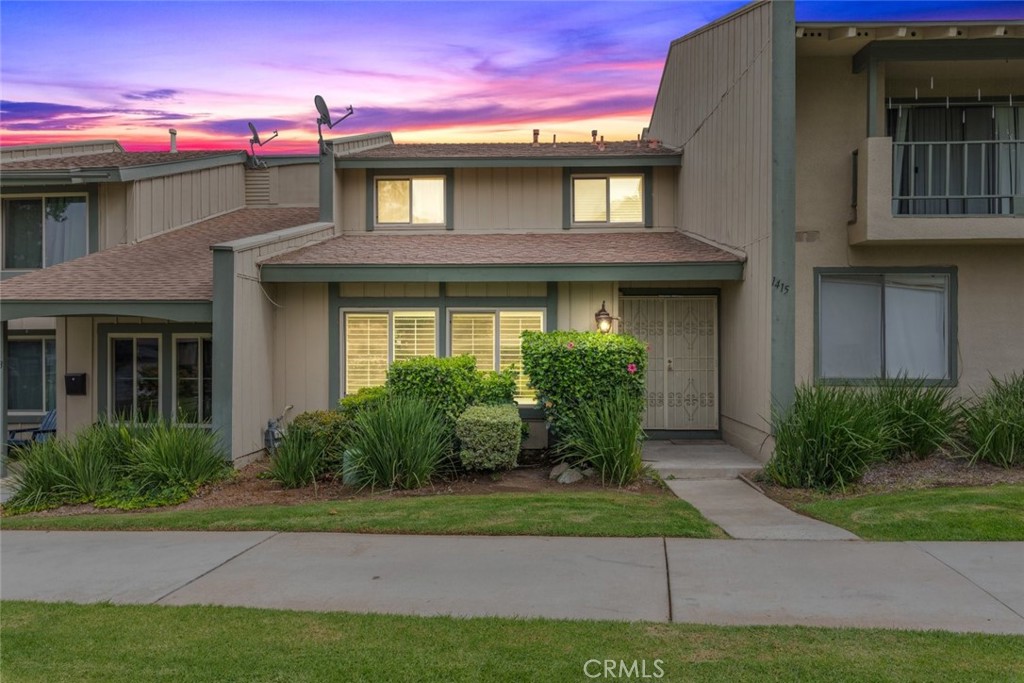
x=950, y=312
x=570, y=174
x=373, y=176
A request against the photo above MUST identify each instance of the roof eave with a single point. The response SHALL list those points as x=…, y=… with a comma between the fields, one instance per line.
x=673, y=159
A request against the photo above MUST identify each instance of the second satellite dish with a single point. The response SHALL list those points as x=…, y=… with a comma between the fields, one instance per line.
x=324, y=118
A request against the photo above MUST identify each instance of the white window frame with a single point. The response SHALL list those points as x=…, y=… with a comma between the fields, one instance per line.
x=607, y=207
x=41, y=338
x=42, y=227
x=174, y=378
x=390, y=312
x=497, y=311
x=111, y=388
x=412, y=182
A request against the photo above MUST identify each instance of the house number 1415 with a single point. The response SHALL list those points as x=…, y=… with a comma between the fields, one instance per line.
x=780, y=285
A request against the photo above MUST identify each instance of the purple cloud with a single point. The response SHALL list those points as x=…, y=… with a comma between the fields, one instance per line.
x=151, y=95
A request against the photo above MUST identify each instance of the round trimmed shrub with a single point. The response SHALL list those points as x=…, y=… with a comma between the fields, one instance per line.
x=490, y=436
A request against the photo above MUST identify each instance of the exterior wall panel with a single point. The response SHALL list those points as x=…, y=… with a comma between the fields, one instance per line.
x=161, y=204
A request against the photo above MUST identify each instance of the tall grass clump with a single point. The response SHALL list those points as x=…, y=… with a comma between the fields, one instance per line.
x=607, y=434
x=400, y=444
x=42, y=476
x=994, y=423
x=826, y=439
x=921, y=419
x=298, y=459
x=175, y=455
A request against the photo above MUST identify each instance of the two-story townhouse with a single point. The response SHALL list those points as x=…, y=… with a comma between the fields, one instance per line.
x=104, y=255
x=874, y=176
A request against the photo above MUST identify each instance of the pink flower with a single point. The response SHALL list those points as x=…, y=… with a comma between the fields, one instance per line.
x=631, y=368
x=570, y=346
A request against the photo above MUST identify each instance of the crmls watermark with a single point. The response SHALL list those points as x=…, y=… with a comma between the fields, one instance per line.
x=638, y=669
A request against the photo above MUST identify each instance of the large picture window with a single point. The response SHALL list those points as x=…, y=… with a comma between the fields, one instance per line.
x=31, y=374
x=493, y=338
x=373, y=340
x=193, y=379
x=416, y=200
x=44, y=231
x=885, y=325
x=608, y=199
x=135, y=377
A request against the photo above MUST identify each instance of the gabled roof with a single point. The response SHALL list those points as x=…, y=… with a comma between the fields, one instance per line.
x=515, y=257
x=172, y=266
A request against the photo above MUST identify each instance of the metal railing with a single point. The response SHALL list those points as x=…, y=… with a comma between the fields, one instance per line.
x=967, y=177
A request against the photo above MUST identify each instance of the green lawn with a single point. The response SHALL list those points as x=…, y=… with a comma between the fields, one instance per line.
x=545, y=514
x=50, y=643
x=991, y=513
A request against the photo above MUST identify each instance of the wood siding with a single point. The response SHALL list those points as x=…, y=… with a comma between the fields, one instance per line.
x=161, y=204
x=715, y=103
x=300, y=347
x=296, y=185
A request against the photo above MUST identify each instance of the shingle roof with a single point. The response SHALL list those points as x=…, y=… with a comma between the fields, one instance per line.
x=456, y=249
x=516, y=150
x=174, y=266
x=110, y=160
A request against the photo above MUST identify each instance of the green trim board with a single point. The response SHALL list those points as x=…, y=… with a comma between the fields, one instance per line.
x=567, y=173
x=178, y=311
x=951, y=311
x=564, y=272
x=3, y=398
x=449, y=195
x=937, y=50
x=513, y=162
x=223, y=329
x=441, y=303
x=783, y=212
x=165, y=331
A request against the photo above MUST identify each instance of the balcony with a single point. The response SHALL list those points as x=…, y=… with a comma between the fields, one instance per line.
x=938, y=192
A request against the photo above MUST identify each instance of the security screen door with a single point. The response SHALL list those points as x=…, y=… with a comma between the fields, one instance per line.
x=682, y=363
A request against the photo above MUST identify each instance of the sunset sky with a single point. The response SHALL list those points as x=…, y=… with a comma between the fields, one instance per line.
x=428, y=71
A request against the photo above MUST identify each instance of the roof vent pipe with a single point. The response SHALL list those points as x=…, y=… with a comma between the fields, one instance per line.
x=174, y=140
x=593, y=136
x=554, y=140
x=600, y=145
x=536, y=137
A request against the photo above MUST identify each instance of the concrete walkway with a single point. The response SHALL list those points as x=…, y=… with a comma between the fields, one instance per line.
x=705, y=475
x=949, y=586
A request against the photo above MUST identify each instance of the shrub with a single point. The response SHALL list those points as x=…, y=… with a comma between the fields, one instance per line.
x=994, y=423
x=449, y=383
x=366, y=398
x=607, y=434
x=298, y=459
x=490, y=436
x=827, y=438
x=41, y=481
x=495, y=388
x=569, y=369
x=175, y=455
x=402, y=444
x=921, y=419
x=328, y=429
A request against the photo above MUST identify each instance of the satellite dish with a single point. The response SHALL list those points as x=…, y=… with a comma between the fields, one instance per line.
x=325, y=118
x=254, y=141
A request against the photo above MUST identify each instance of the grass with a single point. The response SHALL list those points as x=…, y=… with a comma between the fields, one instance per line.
x=65, y=642
x=609, y=513
x=993, y=513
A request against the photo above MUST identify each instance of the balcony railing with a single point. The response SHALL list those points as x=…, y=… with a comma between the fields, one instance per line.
x=958, y=178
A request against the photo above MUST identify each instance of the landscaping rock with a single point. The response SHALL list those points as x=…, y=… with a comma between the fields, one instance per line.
x=589, y=472
x=570, y=476
x=558, y=470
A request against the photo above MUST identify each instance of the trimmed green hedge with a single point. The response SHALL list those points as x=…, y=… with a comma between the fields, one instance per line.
x=495, y=388
x=490, y=436
x=569, y=369
x=449, y=383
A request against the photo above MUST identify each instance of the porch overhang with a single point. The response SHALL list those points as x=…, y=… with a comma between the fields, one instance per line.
x=178, y=311
x=564, y=272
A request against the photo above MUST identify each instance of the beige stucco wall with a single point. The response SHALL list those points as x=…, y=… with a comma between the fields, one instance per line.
x=715, y=103
x=500, y=200
x=831, y=121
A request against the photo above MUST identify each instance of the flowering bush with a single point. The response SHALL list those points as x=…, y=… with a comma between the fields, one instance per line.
x=571, y=369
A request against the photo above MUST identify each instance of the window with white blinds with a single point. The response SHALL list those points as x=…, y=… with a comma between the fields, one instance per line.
x=608, y=199
x=493, y=338
x=374, y=340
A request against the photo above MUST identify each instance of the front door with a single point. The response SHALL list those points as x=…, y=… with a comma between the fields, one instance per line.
x=682, y=363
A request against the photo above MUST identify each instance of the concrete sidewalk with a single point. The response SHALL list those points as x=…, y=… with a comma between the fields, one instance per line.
x=948, y=586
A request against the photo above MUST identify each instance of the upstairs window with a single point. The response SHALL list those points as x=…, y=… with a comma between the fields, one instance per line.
x=414, y=200
x=44, y=231
x=608, y=199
